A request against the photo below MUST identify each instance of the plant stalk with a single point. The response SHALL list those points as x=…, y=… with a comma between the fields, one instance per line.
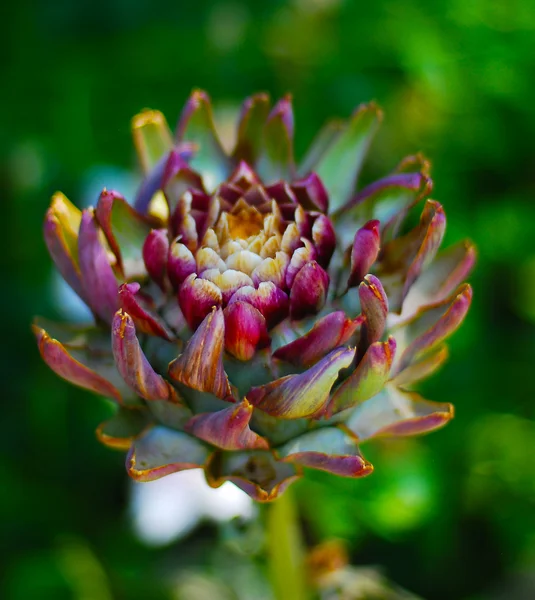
x=286, y=556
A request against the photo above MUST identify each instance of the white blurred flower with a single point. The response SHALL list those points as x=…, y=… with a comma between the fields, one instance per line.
x=168, y=508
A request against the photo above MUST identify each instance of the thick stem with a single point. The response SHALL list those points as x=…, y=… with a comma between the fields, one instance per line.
x=285, y=550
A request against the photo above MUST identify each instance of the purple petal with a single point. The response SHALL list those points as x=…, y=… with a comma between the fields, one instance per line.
x=309, y=291
x=324, y=238
x=245, y=330
x=197, y=298
x=327, y=334
x=395, y=412
x=132, y=363
x=145, y=320
x=374, y=306
x=256, y=472
x=161, y=451
x=155, y=252
x=268, y=299
x=364, y=252
x=100, y=284
x=328, y=449
x=311, y=193
x=303, y=395
x=200, y=366
x=367, y=379
x=227, y=429
x=180, y=263
x=58, y=358
x=300, y=257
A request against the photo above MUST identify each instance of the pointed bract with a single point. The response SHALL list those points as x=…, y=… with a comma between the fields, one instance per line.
x=132, y=363
x=340, y=165
x=152, y=138
x=251, y=124
x=155, y=251
x=196, y=125
x=367, y=379
x=331, y=331
x=394, y=412
x=146, y=321
x=374, y=306
x=123, y=428
x=328, y=449
x=304, y=395
x=200, y=366
x=227, y=429
x=364, y=252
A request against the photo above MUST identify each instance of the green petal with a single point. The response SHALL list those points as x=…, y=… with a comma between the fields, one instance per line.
x=197, y=125
x=340, y=165
x=152, y=138
x=161, y=451
x=123, y=428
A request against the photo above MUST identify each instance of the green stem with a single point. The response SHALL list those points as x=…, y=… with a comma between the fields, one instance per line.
x=286, y=550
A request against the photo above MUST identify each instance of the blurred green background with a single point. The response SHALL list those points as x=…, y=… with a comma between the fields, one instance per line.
x=450, y=516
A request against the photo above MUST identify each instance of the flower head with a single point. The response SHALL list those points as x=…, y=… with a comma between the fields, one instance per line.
x=254, y=316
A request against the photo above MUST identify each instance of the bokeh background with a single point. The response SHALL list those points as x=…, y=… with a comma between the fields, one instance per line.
x=449, y=516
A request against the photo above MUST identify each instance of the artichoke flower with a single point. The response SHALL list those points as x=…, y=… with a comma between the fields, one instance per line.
x=254, y=317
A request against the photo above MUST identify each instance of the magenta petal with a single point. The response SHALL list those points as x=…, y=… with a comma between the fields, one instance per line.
x=432, y=325
x=309, y=291
x=324, y=238
x=303, y=395
x=269, y=299
x=311, y=193
x=367, y=379
x=58, y=358
x=245, y=330
x=300, y=257
x=180, y=263
x=155, y=251
x=200, y=366
x=328, y=333
x=197, y=297
x=100, y=284
x=162, y=451
x=145, y=320
x=256, y=472
x=374, y=306
x=227, y=429
x=364, y=252
x=328, y=449
x=132, y=363
x=395, y=412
